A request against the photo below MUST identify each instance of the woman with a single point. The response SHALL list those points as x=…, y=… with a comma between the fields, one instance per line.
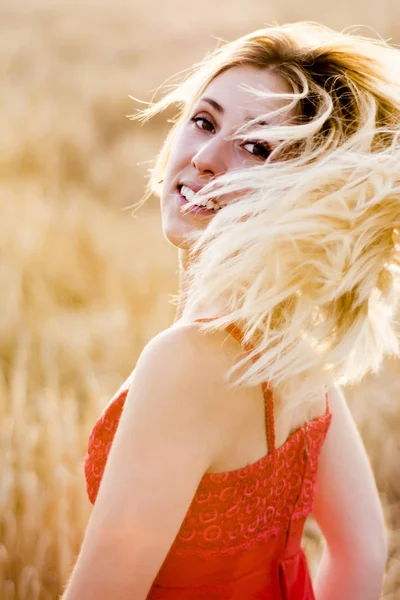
x=279, y=187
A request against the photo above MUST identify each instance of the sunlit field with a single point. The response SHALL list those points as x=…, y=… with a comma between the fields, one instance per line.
x=84, y=283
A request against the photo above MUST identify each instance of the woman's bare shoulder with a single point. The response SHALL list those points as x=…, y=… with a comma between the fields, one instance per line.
x=193, y=362
x=218, y=348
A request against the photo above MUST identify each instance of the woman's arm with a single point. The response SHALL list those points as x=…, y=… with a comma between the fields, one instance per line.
x=168, y=435
x=348, y=510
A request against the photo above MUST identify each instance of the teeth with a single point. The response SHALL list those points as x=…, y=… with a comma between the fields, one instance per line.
x=202, y=203
x=187, y=193
x=190, y=194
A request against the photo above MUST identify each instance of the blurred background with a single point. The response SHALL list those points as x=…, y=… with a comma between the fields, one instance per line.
x=84, y=283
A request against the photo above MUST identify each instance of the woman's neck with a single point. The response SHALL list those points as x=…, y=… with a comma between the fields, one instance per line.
x=199, y=311
x=182, y=285
x=179, y=308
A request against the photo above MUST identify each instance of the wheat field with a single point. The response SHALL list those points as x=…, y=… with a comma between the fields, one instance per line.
x=84, y=283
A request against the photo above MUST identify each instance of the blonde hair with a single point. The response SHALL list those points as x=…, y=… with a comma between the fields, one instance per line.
x=307, y=256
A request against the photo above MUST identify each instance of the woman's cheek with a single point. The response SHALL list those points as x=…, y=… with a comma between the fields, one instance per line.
x=184, y=146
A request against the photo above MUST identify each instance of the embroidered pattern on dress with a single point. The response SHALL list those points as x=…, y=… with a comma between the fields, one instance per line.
x=231, y=510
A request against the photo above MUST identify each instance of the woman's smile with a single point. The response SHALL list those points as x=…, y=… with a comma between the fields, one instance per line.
x=188, y=196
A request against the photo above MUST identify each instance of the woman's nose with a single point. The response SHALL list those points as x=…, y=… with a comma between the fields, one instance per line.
x=211, y=158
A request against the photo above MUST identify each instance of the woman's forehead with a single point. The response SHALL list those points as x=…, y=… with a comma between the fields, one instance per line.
x=230, y=91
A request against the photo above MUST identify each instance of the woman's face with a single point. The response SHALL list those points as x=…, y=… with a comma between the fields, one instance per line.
x=201, y=149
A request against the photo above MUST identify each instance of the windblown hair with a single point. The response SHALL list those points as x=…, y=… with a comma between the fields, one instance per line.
x=307, y=256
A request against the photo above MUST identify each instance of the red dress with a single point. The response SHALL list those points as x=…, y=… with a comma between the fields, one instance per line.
x=241, y=537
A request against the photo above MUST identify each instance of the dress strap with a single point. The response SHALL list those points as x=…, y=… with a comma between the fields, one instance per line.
x=266, y=388
x=327, y=400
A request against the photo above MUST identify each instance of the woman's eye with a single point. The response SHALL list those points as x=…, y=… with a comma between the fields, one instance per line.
x=203, y=123
x=259, y=149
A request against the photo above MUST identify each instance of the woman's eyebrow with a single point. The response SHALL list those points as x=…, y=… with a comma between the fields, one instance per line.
x=221, y=110
x=214, y=104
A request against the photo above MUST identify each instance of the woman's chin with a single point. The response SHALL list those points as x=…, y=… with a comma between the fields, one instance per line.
x=177, y=233
x=177, y=239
